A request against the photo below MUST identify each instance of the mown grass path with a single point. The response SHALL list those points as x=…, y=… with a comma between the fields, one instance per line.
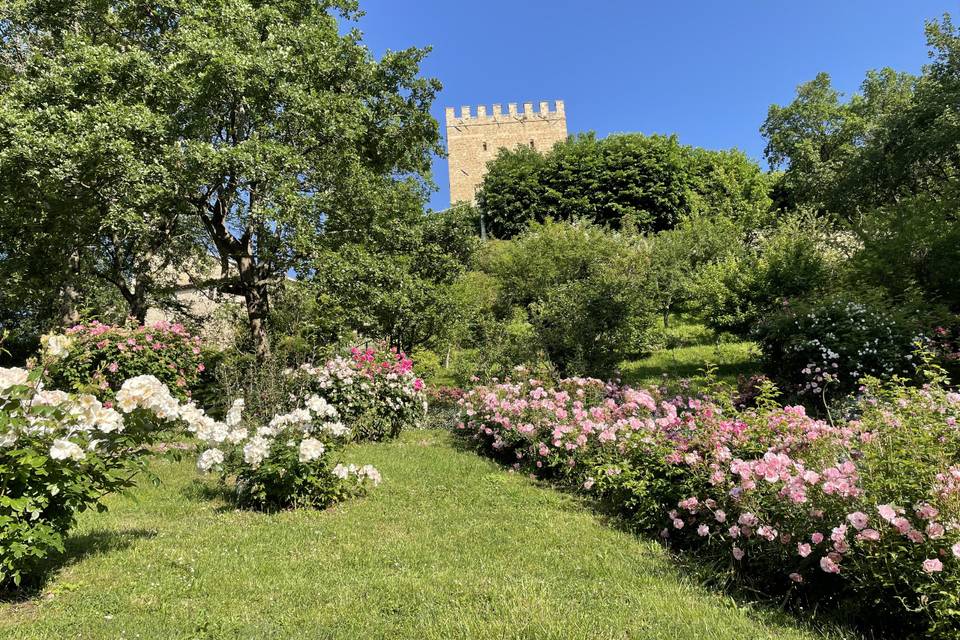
x=450, y=546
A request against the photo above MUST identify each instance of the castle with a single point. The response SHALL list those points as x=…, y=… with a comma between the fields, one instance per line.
x=472, y=141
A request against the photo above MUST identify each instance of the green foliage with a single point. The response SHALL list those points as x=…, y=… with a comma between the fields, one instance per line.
x=583, y=289
x=911, y=248
x=397, y=284
x=786, y=262
x=652, y=181
x=679, y=256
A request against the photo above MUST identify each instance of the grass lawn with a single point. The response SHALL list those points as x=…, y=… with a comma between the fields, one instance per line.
x=693, y=346
x=450, y=546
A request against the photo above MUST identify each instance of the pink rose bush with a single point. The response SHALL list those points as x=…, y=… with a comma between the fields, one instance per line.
x=96, y=358
x=375, y=390
x=854, y=513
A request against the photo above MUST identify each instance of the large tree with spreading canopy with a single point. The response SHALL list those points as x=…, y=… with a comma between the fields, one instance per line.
x=132, y=132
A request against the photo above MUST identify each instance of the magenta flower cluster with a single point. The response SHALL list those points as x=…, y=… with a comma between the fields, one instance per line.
x=98, y=357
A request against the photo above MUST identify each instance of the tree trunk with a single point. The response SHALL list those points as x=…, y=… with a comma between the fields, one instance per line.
x=446, y=361
x=138, y=307
x=257, y=301
x=69, y=296
x=666, y=318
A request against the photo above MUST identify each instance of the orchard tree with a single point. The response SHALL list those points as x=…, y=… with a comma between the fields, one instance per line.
x=262, y=123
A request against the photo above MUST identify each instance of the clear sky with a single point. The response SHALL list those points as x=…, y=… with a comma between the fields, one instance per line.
x=705, y=70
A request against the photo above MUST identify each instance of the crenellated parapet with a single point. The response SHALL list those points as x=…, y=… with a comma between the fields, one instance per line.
x=470, y=115
x=475, y=136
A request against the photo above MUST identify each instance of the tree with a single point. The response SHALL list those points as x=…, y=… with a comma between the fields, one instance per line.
x=397, y=283
x=584, y=289
x=81, y=161
x=264, y=124
x=886, y=165
x=821, y=141
x=652, y=180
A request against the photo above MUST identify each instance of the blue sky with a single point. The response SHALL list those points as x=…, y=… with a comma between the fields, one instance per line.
x=706, y=71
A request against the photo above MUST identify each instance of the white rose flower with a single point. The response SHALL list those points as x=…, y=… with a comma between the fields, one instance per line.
x=8, y=439
x=63, y=449
x=336, y=429
x=237, y=436
x=107, y=420
x=209, y=459
x=341, y=471
x=321, y=407
x=56, y=345
x=12, y=376
x=235, y=412
x=311, y=449
x=369, y=471
x=256, y=451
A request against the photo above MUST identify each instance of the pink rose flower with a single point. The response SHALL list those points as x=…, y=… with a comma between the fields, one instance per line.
x=858, y=519
x=932, y=565
x=869, y=534
x=827, y=564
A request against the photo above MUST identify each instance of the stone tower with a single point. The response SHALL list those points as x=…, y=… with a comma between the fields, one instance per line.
x=472, y=141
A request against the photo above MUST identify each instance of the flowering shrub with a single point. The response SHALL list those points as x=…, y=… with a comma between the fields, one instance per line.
x=285, y=463
x=863, y=515
x=375, y=391
x=59, y=454
x=97, y=358
x=836, y=342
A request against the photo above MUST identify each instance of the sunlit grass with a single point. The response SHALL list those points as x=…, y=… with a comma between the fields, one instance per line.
x=450, y=546
x=690, y=349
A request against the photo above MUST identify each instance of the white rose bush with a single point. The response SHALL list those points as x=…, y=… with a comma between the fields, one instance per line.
x=288, y=462
x=60, y=453
x=375, y=390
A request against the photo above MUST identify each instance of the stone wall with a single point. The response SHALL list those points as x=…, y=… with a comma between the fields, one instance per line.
x=473, y=140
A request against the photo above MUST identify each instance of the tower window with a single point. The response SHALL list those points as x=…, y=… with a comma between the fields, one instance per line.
x=531, y=145
x=484, y=146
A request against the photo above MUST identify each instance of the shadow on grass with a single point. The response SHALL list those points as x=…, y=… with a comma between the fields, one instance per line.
x=201, y=491
x=76, y=548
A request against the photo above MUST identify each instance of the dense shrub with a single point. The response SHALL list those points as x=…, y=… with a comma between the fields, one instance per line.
x=833, y=342
x=787, y=262
x=583, y=289
x=60, y=454
x=861, y=517
x=375, y=391
x=285, y=463
x=96, y=358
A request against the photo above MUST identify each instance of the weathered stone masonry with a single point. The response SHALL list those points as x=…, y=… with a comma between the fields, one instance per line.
x=472, y=141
